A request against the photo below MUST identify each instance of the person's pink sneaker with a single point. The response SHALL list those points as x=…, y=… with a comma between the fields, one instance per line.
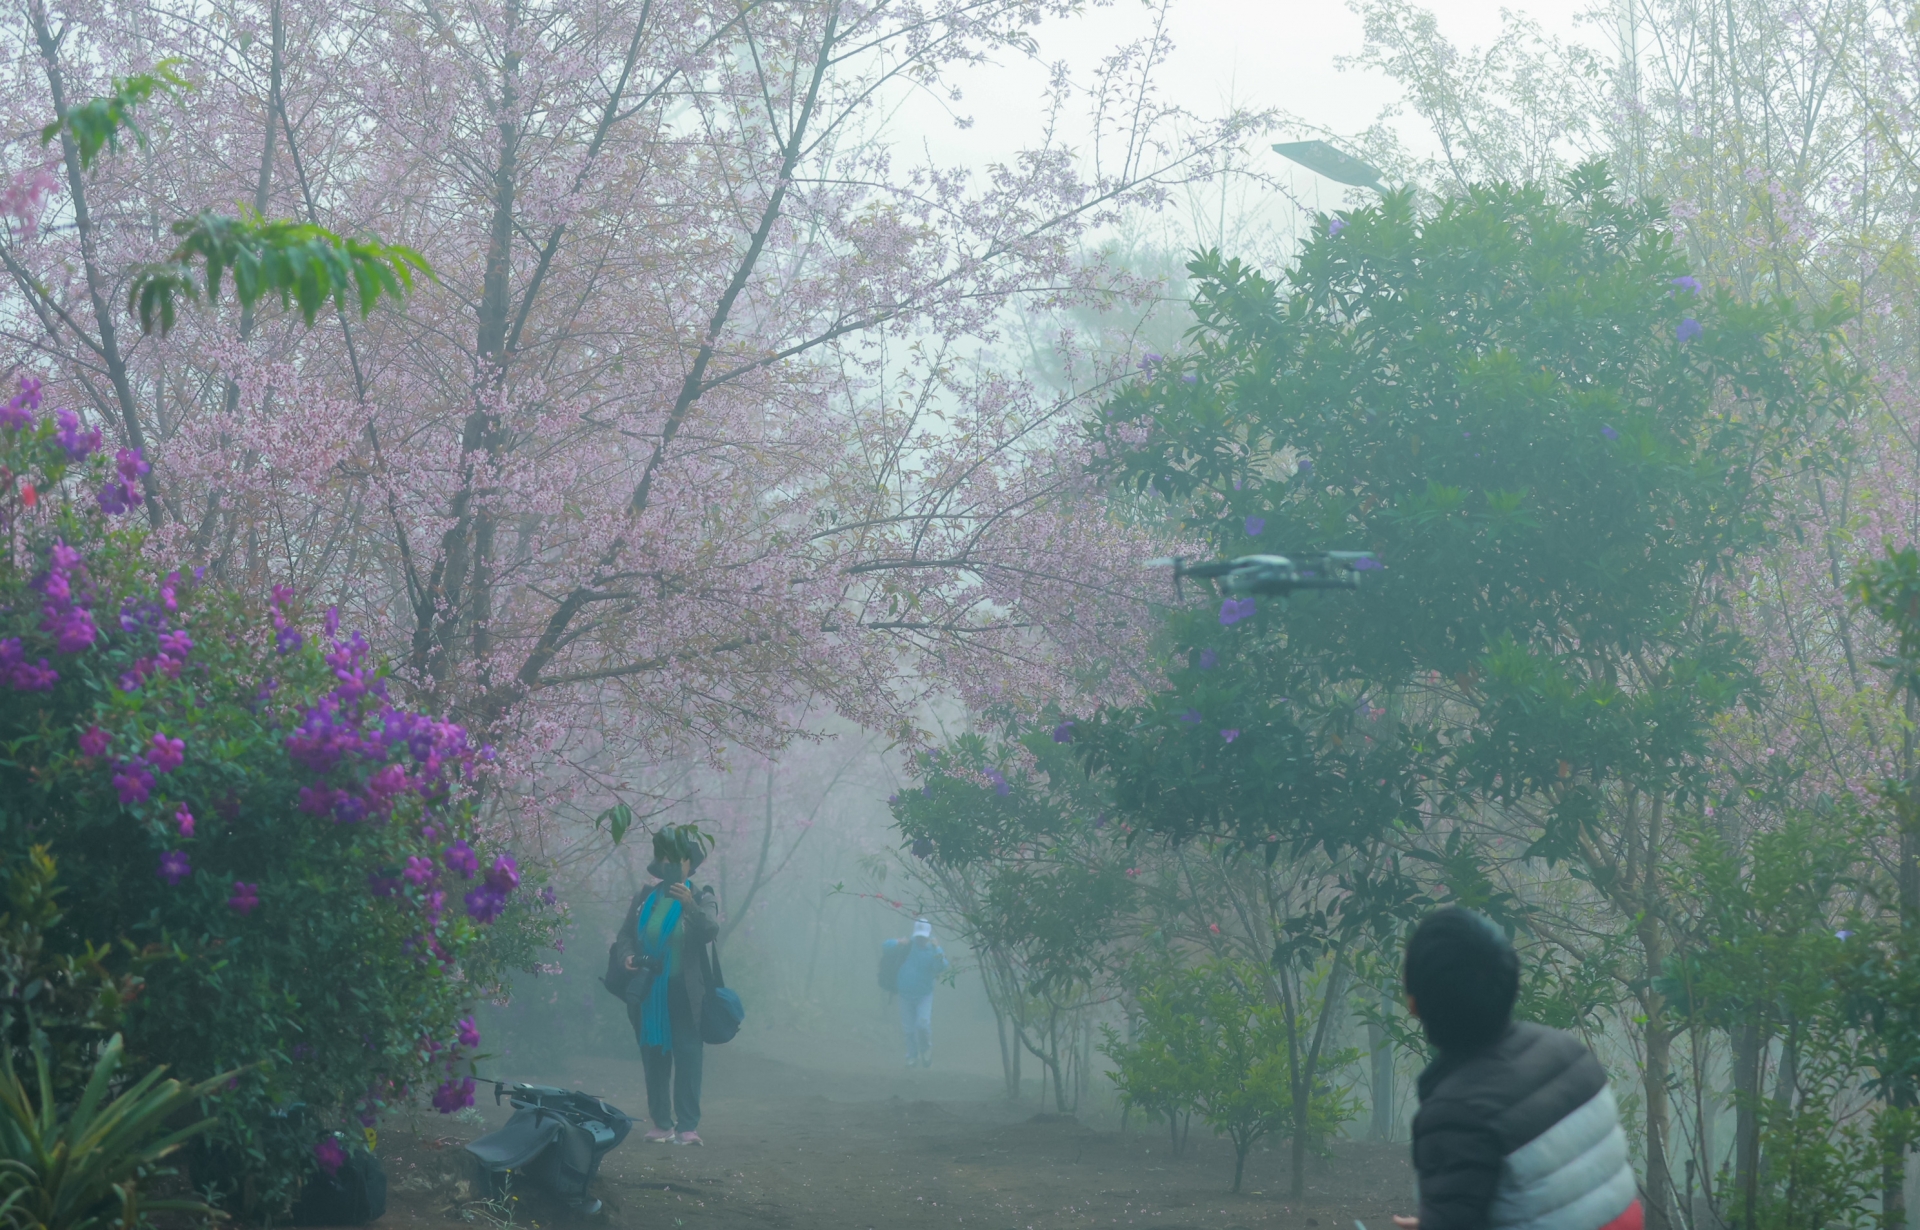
x=688, y=1138
x=658, y=1136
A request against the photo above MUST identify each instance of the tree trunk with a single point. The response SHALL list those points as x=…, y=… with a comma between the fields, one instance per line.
x=1746, y=1120
x=1659, y=1034
x=1380, y=1124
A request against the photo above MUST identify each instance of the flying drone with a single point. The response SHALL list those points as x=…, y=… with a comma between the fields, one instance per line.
x=1277, y=574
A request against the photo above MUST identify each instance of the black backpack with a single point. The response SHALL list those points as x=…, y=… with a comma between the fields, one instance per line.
x=892, y=957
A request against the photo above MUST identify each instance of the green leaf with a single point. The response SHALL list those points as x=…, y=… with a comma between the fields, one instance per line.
x=96, y=123
x=295, y=262
x=616, y=820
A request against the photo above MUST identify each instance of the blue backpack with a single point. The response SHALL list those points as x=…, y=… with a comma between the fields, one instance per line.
x=722, y=1013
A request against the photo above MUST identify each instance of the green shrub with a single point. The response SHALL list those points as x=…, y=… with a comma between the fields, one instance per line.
x=282, y=854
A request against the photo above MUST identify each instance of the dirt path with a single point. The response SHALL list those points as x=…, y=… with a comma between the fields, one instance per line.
x=863, y=1147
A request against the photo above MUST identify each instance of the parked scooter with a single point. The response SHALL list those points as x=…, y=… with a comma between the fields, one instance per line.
x=554, y=1141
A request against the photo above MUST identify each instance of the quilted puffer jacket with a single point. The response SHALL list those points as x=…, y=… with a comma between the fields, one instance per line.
x=1521, y=1135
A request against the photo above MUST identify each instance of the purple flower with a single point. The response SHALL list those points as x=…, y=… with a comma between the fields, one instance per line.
x=547, y=896
x=1843, y=935
x=134, y=783
x=95, y=742
x=1233, y=610
x=1149, y=361
x=419, y=872
x=1305, y=466
x=1189, y=378
x=461, y=858
x=1687, y=330
x=287, y=640
x=469, y=1033
x=78, y=444
x=174, y=867
x=485, y=903
x=1687, y=282
x=382, y=885
x=123, y=490
x=923, y=847
x=245, y=899
x=332, y=1157
x=18, y=412
x=1229, y=735
x=176, y=643
x=72, y=628
x=164, y=754
x=1191, y=715
x=1606, y=429
x=183, y=818
x=1063, y=733
x=453, y=1095
x=1335, y=226
x=505, y=874
x=27, y=677
x=1256, y=526
x=1000, y=786
x=1368, y=564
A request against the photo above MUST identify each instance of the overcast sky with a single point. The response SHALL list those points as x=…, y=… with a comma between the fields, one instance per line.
x=1256, y=53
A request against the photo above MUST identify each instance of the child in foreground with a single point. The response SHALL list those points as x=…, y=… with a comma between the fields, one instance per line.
x=1516, y=1129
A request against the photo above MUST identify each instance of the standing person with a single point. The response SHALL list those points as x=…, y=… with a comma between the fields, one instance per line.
x=920, y=969
x=1516, y=1129
x=667, y=928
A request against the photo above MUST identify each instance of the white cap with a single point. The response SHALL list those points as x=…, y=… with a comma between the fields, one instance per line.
x=921, y=927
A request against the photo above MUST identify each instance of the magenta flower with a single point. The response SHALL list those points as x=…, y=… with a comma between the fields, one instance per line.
x=1687, y=330
x=453, y=1095
x=1063, y=733
x=469, y=1033
x=184, y=819
x=1233, y=610
x=95, y=742
x=134, y=783
x=245, y=899
x=1229, y=735
x=174, y=867
x=176, y=643
x=332, y=1157
x=461, y=858
x=164, y=754
x=1256, y=526
x=419, y=872
x=18, y=412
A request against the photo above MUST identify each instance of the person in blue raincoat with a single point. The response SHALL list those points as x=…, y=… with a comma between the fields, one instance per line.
x=667, y=926
x=919, y=972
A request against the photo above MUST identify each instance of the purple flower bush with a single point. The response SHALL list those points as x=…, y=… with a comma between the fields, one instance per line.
x=221, y=783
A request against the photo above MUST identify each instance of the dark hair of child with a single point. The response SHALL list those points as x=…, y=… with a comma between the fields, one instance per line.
x=1463, y=976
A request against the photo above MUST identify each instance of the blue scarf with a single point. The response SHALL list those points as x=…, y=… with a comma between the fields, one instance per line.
x=664, y=942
